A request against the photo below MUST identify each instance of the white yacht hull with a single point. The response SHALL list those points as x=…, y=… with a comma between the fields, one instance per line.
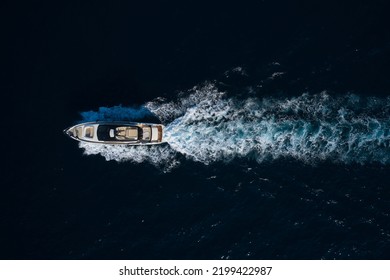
x=115, y=133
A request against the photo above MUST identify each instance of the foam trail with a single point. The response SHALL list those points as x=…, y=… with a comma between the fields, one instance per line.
x=206, y=126
x=160, y=156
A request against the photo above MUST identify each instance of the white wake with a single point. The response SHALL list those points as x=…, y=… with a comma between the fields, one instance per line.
x=207, y=126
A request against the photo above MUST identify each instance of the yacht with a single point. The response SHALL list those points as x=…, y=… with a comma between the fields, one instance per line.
x=117, y=133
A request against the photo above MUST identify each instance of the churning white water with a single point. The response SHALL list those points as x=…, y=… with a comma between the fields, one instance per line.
x=207, y=126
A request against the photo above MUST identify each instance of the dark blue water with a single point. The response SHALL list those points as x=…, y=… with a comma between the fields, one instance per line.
x=277, y=120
